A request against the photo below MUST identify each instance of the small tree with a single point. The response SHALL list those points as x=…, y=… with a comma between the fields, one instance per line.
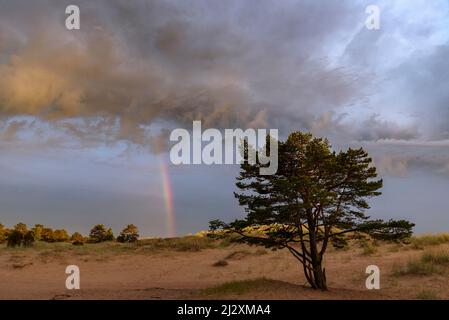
x=15, y=239
x=60, y=235
x=317, y=196
x=28, y=239
x=98, y=234
x=21, y=227
x=129, y=234
x=109, y=235
x=38, y=231
x=20, y=236
x=77, y=239
x=3, y=233
x=47, y=235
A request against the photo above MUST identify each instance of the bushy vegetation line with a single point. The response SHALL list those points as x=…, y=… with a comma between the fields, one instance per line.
x=21, y=236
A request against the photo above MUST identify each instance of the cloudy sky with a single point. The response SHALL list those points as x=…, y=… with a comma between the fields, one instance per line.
x=85, y=114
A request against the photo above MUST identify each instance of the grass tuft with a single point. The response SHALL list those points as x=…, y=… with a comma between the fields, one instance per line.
x=184, y=244
x=427, y=295
x=238, y=287
x=419, y=242
x=368, y=249
x=237, y=255
x=429, y=263
x=220, y=263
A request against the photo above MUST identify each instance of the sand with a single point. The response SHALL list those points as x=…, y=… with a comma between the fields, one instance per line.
x=33, y=273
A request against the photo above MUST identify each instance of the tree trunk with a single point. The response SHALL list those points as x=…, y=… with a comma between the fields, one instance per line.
x=318, y=276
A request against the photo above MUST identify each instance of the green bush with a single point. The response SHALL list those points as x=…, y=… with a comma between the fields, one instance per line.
x=15, y=239
x=28, y=239
x=3, y=233
x=77, y=239
x=21, y=227
x=109, y=235
x=99, y=234
x=129, y=234
x=60, y=235
x=47, y=235
x=20, y=236
x=38, y=231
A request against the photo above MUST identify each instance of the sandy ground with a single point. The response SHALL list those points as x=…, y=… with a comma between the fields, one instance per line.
x=40, y=274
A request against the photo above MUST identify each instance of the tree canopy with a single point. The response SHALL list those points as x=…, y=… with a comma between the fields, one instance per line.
x=129, y=234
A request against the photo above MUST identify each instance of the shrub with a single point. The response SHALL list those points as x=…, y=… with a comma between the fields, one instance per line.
x=47, y=235
x=60, y=235
x=38, y=231
x=28, y=239
x=15, y=239
x=129, y=234
x=20, y=236
x=3, y=233
x=99, y=234
x=77, y=239
x=109, y=235
x=21, y=227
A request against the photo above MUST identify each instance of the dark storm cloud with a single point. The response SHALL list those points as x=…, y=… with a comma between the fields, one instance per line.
x=230, y=64
x=293, y=65
x=424, y=85
x=397, y=157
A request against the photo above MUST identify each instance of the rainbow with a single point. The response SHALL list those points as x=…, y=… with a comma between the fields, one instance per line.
x=168, y=198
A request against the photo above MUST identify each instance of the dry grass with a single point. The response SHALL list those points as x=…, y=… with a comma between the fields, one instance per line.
x=102, y=252
x=183, y=244
x=369, y=249
x=239, y=287
x=184, y=267
x=429, y=263
x=427, y=295
x=419, y=242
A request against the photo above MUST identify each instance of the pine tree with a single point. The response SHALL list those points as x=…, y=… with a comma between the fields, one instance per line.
x=317, y=196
